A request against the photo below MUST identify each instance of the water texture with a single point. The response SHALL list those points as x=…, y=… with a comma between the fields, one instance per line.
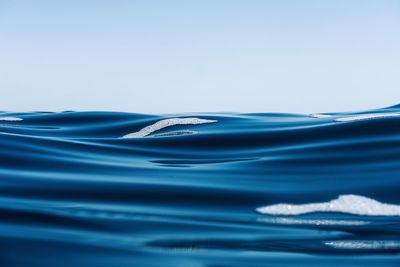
x=204, y=189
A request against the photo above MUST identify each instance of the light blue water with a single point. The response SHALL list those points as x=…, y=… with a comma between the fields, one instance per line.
x=73, y=192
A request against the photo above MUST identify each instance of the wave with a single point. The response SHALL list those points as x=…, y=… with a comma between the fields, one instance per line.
x=368, y=116
x=121, y=189
x=166, y=123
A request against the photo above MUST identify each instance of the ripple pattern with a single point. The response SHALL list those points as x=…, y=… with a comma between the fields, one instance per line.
x=184, y=190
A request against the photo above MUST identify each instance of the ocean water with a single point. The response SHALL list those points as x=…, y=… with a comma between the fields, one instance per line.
x=204, y=189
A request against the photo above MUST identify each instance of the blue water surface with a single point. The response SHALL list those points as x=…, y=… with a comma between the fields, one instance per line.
x=73, y=192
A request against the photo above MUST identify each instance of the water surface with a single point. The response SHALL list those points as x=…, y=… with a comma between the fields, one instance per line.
x=123, y=189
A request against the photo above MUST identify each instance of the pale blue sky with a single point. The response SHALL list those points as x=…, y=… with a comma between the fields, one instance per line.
x=206, y=55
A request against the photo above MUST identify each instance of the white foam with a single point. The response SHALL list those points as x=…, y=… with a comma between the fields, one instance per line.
x=368, y=116
x=176, y=133
x=166, y=123
x=364, y=244
x=352, y=204
x=320, y=116
x=10, y=119
x=323, y=222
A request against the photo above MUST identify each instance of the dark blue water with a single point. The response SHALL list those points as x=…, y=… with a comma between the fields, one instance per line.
x=74, y=193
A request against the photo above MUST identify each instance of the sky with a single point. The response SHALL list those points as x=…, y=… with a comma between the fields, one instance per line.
x=199, y=56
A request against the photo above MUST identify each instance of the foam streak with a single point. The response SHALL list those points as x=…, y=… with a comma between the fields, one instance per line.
x=352, y=204
x=10, y=119
x=368, y=117
x=166, y=123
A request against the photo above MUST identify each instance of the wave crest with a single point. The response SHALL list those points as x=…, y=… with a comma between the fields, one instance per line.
x=166, y=123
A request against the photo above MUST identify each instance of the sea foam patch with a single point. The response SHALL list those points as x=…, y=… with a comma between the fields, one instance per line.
x=352, y=204
x=364, y=244
x=368, y=116
x=176, y=133
x=10, y=119
x=167, y=123
x=320, y=116
x=317, y=222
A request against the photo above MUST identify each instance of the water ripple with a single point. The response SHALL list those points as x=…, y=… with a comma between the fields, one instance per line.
x=77, y=189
